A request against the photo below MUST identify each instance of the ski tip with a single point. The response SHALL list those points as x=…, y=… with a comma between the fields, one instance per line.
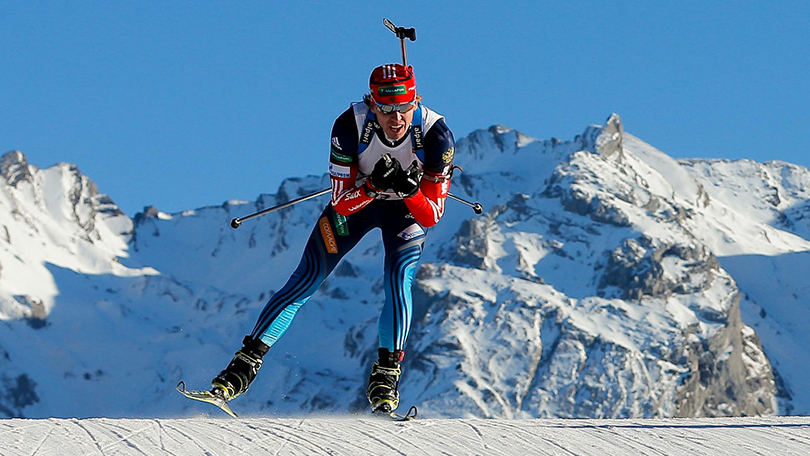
x=227, y=409
x=210, y=397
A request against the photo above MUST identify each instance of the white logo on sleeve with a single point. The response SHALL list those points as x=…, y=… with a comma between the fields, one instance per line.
x=412, y=232
x=339, y=171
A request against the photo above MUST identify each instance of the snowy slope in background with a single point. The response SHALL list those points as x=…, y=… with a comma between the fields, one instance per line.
x=604, y=280
x=358, y=436
x=770, y=265
x=53, y=216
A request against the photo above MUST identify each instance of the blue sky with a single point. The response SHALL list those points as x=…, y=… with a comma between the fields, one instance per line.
x=186, y=104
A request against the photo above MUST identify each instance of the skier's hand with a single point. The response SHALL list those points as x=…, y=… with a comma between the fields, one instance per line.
x=385, y=173
x=406, y=182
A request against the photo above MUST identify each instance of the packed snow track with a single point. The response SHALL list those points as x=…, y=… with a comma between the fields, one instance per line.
x=361, y=436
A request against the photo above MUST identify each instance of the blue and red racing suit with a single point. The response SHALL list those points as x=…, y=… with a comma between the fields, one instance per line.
x=358, y=142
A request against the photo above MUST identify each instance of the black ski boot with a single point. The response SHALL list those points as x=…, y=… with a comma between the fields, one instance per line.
x=382, y=384
x=244, y=366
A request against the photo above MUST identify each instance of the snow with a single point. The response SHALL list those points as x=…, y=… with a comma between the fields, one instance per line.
x=777, y=306
x=357, y=436
x=664, y=175
x=758, y=229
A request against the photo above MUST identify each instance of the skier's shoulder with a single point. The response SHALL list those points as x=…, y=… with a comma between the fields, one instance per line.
x=347, y=118
x=437, y=134
x=359, y=108
x=429, y=116
x=439, y=141
x=435, y=126
x=345, y=135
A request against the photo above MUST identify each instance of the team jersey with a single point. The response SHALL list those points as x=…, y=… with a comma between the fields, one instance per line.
x=358, y=142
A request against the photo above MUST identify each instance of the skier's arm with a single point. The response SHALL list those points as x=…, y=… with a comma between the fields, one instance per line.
x=347, y=196
x=427, y=204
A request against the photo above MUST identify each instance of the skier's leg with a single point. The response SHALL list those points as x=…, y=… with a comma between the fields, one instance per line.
x=282, y=307
x=331, y=238
x=403, y=239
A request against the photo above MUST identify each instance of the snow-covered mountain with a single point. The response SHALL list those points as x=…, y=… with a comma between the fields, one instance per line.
x=605, y=279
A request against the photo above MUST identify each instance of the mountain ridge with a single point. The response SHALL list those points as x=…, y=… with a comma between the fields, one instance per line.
x=594, y=285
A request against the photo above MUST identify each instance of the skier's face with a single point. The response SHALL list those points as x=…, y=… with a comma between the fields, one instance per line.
x=396, y=124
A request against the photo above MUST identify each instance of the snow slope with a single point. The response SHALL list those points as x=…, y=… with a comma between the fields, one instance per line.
x=369, y=436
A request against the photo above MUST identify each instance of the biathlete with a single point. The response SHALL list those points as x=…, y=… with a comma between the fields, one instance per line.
x=390, y=167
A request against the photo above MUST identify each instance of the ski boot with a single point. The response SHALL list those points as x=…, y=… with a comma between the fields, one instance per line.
x=382, y=384
x=236, y=378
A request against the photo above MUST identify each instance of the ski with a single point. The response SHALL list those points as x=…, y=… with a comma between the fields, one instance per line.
x=210, y=397
x=410, y=415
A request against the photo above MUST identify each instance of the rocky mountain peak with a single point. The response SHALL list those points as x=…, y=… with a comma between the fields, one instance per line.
x=606, y=140
x=14, y=168
x=609, y=142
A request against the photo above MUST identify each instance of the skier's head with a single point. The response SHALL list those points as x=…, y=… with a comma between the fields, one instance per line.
x=393, y=98
x=392, y=84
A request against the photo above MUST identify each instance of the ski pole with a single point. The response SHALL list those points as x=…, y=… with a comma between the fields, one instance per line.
x=476, y=206
x=235, y=223
x=401, y=33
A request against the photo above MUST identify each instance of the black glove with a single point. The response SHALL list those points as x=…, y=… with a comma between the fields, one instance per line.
x=385, y=173
x=406, y=182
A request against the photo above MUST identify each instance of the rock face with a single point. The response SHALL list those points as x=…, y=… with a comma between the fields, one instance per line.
x=596, y=284
x=14, y=168
x=637, y=269
x=727, y=375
